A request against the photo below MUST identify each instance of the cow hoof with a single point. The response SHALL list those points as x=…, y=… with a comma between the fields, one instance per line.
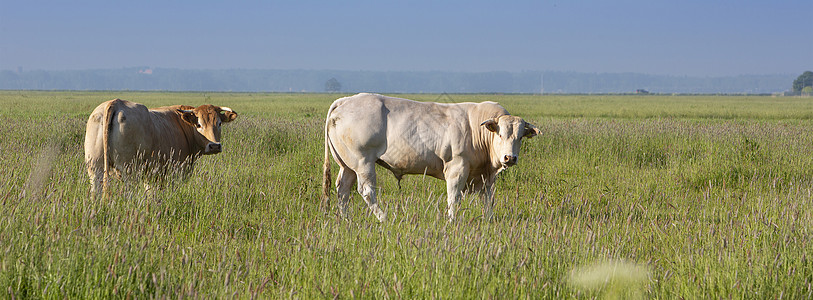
x=382, y=216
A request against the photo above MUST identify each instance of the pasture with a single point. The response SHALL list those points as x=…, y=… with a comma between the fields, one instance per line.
x=628, y=196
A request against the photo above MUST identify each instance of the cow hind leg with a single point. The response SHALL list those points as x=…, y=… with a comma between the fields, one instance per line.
x=96, y=174
x=344, y=187
x=366, y=187
x=151, y=192
x=96, y=188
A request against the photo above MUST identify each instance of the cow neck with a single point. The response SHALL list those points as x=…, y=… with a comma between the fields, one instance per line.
x=493, y=156
x=484, y=138
x=188, y=132
x=484, y=144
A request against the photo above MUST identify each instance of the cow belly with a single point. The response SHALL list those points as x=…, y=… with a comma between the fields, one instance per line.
x=400, y=165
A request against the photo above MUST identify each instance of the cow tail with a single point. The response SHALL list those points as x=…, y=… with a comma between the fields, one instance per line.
x=326, y=180
x=107, y=122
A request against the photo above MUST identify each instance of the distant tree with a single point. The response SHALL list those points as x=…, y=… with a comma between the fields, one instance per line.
x=804, y=80
x=333, y=85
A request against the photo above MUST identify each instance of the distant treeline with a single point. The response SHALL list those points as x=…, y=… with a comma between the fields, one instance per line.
x=246, y=80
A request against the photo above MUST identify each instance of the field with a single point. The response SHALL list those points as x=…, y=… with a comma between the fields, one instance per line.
x=621, y=196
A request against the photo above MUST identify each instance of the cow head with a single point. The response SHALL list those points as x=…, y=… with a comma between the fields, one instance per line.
x=508, y=133
x=207, y=120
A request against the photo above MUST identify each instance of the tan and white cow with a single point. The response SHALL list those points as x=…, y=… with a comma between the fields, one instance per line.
x=126, y=137
x=465, y=144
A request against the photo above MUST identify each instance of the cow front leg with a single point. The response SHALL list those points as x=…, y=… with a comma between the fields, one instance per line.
x=344, y=188
x=366, y=187
x=455, y=175
x=487, y=197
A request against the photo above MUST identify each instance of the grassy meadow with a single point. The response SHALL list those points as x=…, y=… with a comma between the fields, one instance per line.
x=620, y=197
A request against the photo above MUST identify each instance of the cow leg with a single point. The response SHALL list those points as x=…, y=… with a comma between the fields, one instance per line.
x=151, y=191
x=344, y=188
x=455, y=175
x=96, y=177
x=487, y=197
x=366, y=187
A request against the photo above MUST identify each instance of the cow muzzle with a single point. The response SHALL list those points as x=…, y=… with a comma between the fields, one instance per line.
x=213, y=148
x=509, y=160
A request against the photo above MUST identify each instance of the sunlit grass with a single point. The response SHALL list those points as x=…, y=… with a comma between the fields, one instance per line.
x=693, y=197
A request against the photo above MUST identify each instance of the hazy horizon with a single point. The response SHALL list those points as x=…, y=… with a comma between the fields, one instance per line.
x=388, y=81
x=392, y=71
x=689, y=38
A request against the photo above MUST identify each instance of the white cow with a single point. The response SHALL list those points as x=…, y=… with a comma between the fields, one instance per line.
x=465, y=144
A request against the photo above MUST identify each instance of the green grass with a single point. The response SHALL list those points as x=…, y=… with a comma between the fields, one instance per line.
x=621, y=196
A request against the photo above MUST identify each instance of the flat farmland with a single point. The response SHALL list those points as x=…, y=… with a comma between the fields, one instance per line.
x=621, y=196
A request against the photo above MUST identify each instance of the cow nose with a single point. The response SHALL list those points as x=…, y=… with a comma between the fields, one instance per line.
x=213, y=148
x=509, y=160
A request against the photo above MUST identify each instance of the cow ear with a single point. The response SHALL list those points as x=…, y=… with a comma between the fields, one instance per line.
x=531, y=130
x=227, y=114
x=491, y=125
x=189, y=117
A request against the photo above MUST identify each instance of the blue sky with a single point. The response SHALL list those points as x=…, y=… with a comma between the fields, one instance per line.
x=695, y=38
